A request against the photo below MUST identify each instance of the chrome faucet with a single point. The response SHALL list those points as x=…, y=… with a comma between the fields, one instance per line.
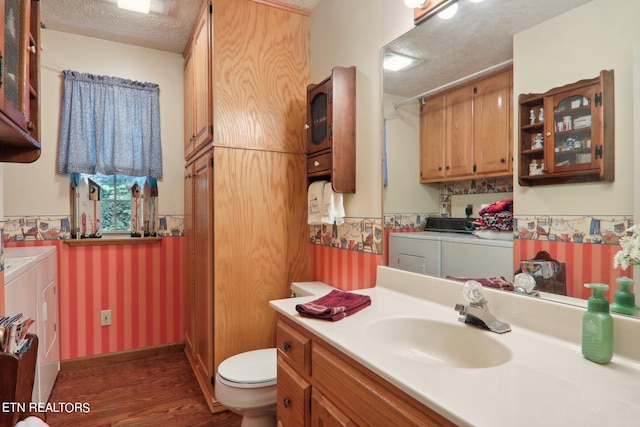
x=477, y=313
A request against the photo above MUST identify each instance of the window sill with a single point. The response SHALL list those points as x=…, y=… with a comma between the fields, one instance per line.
x=113, y=241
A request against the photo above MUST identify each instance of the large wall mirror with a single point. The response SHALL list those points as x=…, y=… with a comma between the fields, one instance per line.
x=548, y=44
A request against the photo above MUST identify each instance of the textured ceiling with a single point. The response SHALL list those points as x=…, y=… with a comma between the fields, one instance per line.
x=104, y=20
x=478, y=37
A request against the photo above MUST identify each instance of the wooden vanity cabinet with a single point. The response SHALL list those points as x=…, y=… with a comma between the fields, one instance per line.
x=465, y=132
x=576, y=132
x=20, y=81
x=331, y=131
x=337, y=391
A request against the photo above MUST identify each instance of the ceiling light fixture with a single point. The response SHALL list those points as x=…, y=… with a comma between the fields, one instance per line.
x=413, y=4
x=397, y=62
x=449, y=12
x=141, y=6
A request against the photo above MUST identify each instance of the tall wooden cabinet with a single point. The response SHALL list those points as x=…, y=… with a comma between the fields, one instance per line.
x=20, y=81
x=466, y=132
x=245, y=188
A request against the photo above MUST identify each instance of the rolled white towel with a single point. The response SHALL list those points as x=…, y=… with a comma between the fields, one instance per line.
x=333, y=206
x=315, y=204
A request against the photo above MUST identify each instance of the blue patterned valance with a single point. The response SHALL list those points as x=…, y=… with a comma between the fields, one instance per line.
x=109, y=125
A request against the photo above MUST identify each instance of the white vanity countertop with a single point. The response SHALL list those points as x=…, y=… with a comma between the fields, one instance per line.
x=547, y=382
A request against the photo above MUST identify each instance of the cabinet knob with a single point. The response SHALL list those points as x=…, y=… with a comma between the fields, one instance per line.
x=502, y=160
x=32, y=49
x=30, y=126
x=286, y=346
x=316, y=163
x=548, y=133
x=306, y=126
x=439, y=168
x=447, y=168
x=286, y=402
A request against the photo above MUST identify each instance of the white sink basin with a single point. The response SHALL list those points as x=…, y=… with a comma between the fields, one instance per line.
x=428, y=342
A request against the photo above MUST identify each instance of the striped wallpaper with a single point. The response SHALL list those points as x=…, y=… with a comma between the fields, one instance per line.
x=139, y=283
x=342, y=268
x=585, y=263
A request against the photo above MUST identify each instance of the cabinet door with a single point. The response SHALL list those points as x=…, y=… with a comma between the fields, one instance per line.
x=492, y=135
x=319, y=136
x=459, y=127
x=325, y=414
x=203, y=100
x=189, y=249
x=189, y=99
x=293, y=394
x=14, y=99
x=432, y=139
x=203, y=263
x=575, y=141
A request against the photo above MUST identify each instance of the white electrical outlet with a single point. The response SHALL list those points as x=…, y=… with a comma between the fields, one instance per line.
x=105, y=317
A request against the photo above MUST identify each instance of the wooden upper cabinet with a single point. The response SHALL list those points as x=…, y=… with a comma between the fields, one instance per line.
x=492, y=129
x=331, y=130
x=203, y=103
x=20, y=81
x=189, y=95
x=459, y=128
x=432, y=137
x=466, y=132
x=261, y=73
x=198, y=96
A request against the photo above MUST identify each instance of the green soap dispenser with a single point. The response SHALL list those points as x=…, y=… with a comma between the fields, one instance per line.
x=624, y=301
x=597, y=326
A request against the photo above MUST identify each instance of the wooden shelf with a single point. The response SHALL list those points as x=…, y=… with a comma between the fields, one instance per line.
x=113, y=241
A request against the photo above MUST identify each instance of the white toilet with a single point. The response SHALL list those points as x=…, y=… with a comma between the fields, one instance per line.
x=246, y=383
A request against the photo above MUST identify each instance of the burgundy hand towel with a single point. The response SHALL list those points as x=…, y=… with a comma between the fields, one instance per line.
x=334, y=306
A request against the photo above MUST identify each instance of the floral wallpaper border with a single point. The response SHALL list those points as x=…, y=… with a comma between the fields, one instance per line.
x=576, y=229
x=27, y=228
x=356, y=234
x=561, y=228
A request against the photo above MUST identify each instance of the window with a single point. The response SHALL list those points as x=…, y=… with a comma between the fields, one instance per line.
x=115, y=200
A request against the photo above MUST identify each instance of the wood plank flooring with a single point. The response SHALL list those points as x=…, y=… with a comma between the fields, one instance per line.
x=156, y=391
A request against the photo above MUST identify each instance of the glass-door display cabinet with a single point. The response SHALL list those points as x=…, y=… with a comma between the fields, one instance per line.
x=567, y=133
x=331, y=131
x=20, y=81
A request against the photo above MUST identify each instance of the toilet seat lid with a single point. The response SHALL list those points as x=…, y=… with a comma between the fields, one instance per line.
x=257, y=367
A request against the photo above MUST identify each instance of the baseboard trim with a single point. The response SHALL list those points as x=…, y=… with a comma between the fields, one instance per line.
x=121, y=356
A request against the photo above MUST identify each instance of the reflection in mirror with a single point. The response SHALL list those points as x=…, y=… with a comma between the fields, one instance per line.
x=579, y=234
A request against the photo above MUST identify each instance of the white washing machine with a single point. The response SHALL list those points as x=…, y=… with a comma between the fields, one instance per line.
x=451, y=254
x=416, y=252
x=31, y=280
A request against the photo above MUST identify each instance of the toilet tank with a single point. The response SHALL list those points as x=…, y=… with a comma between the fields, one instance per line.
x=302, y=289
